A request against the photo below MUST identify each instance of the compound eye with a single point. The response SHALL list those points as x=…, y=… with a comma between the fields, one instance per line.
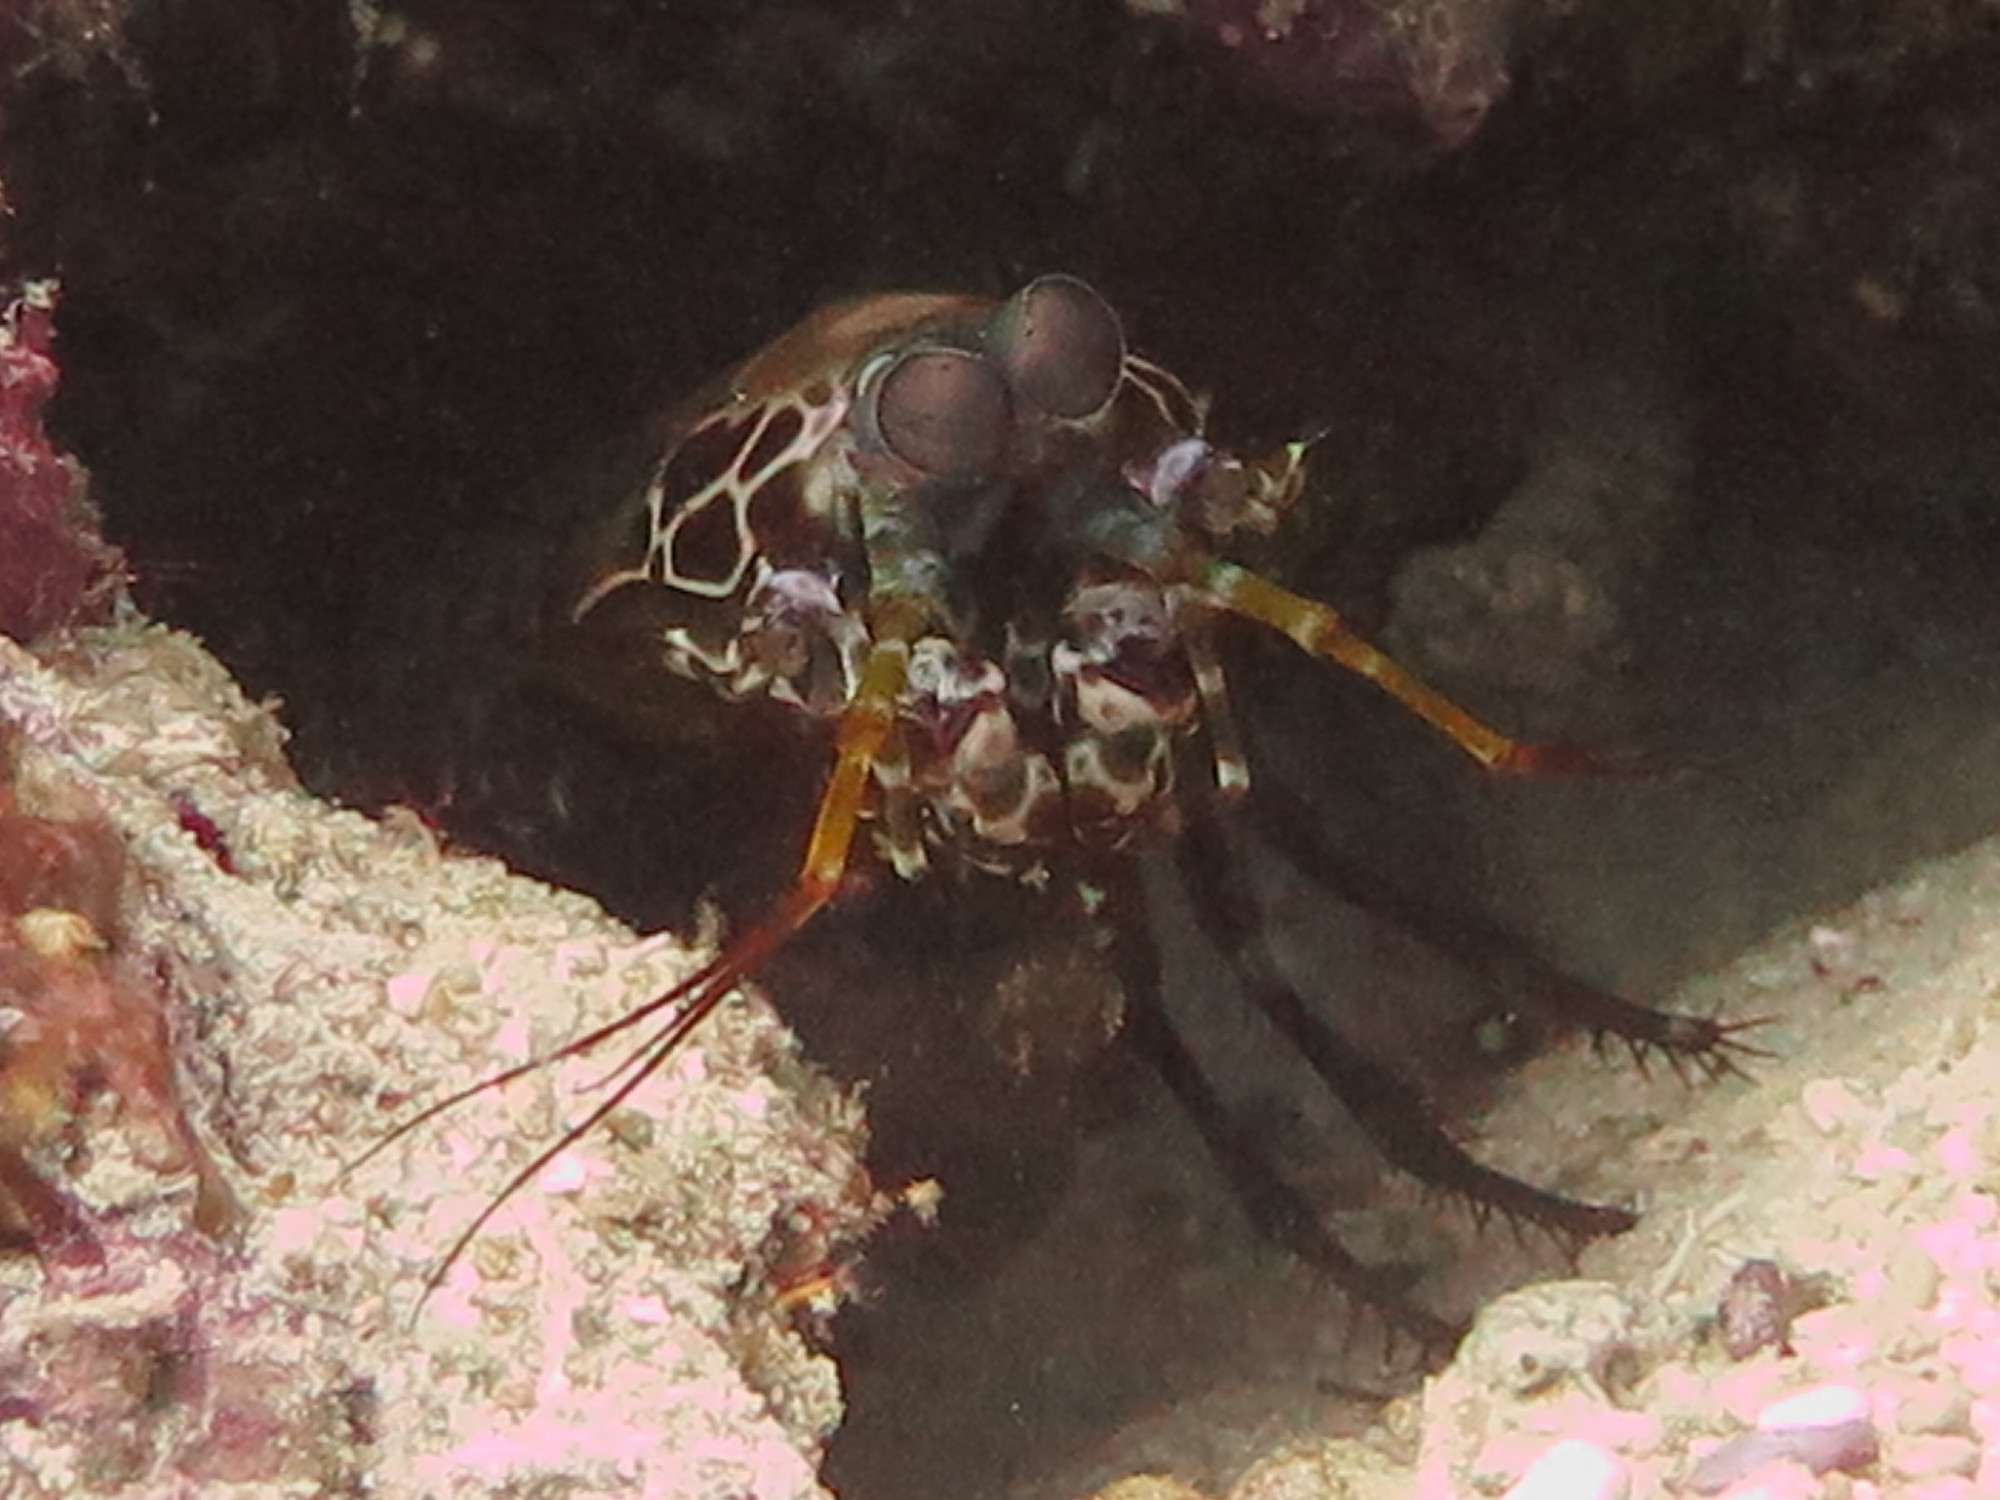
x=1061, y=346
x=943, y=412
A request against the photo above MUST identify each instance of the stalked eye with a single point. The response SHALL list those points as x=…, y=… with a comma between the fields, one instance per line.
x=943, y=412
x=1061, y=346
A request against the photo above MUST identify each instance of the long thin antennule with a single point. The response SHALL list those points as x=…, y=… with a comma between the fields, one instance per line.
x=715, y=982
x=575, y=1047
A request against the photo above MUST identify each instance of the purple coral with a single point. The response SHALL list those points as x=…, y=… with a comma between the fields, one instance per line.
x=1442, y=62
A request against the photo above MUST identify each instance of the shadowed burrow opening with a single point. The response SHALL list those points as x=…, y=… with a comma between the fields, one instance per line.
x=1650, y=415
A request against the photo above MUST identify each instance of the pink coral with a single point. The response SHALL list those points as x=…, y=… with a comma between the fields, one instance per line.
x=82, y=1016
x=54, y=568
